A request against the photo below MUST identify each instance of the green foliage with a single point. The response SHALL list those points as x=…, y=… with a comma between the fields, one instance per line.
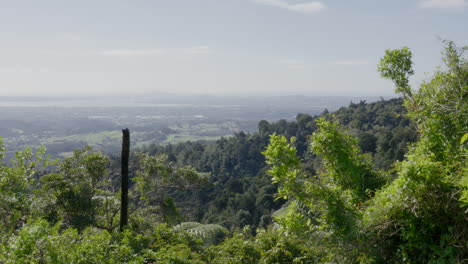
x=158, y=172
x=327, y=202
x=344, y=164
x=210, y=234
x=80, y=193
x=463, y=182
x=419, y=217
x=329, y=197
x=86, y=175
x=242, y=193
x=236, y=250
x=267, y=247
x=167, y=246
x=382, y=128
x=397, y=66
x=17, y=183
x=154, y=176
x=38, y=242
x=283, y=156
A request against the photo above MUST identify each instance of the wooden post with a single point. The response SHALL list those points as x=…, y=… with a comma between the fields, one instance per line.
x=124, y=197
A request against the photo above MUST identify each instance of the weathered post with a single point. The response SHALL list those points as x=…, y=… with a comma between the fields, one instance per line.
x=124, y=197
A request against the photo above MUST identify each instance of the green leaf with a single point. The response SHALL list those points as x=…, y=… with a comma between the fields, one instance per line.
x=464, y=138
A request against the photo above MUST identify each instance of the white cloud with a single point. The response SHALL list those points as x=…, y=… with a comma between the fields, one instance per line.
x=447, y=4
x=293, y=64
x=350, y=63
x=198, y=50
x=131, y=52
x=307, y=7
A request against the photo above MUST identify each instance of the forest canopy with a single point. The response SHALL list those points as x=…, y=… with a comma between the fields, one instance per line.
x=370, y=183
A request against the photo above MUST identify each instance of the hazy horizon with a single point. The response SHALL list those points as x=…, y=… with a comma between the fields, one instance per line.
x=232, y=47
x=175, y=93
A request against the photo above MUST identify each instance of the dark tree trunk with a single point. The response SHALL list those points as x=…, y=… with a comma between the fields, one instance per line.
x=124, y=199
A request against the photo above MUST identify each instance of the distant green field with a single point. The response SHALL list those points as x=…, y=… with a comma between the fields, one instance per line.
x=92, y=138
x=110, y=140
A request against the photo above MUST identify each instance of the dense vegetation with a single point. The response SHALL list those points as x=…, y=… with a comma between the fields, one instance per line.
x=241, y=191
x=385, y=182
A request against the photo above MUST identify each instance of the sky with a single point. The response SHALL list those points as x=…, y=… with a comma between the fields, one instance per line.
x=219, y=47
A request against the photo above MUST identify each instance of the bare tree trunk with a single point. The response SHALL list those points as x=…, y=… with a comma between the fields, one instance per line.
x=124, y=198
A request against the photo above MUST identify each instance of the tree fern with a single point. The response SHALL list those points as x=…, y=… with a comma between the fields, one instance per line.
x=210, y=233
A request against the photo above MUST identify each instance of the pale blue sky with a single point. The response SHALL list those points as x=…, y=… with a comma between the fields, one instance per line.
x=274, y=47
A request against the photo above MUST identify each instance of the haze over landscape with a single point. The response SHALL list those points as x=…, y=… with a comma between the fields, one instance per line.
x=233, y=131
x=272, y=47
